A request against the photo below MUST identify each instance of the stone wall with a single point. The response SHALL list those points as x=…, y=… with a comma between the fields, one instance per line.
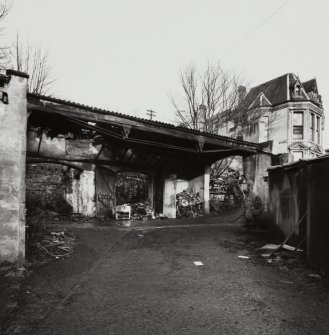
x=13, y=119
x=60, y=188
x=255, y=171
x=53, y=187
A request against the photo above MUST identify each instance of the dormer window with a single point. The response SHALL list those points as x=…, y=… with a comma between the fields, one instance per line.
x=298, y=90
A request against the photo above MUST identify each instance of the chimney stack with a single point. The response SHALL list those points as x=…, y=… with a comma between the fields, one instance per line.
x=242, y=92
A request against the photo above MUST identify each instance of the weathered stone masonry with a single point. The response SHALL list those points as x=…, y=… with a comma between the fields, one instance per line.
x=13, y=120
x=74, y=154
x=53, y=187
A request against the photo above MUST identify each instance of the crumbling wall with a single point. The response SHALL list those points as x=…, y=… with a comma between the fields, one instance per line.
x=255, y=171
x=61, y=146
x=87, y=193
x=53, y=187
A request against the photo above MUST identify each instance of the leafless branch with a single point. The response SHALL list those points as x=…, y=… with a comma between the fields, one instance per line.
x=35, y=62
x=215, y=90
x=4, y=49
x=208, y=100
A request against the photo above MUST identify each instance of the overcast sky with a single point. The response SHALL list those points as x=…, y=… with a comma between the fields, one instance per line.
x=125, y=55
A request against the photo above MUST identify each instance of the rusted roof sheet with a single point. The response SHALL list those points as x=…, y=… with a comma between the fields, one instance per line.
x=298, y=164
x=32, y=98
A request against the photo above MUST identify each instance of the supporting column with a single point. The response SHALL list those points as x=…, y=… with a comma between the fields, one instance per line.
x=13, y=123
x=151, y=190
x=206, y=190
x=87, y=193
x=169, y=196
x=201, y=185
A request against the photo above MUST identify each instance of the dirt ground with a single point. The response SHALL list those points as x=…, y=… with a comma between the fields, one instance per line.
x=141, y=279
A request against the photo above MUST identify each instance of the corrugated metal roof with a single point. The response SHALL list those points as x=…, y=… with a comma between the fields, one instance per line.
x=298, y=164
x=129, y=117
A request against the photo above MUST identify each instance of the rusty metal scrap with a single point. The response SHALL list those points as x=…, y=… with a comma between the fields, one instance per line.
x=56, y=244
x=188, y=203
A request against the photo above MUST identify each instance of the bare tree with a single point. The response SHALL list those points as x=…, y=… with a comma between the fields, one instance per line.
x=35, y=62
x=219, y=167
x=208, y=98
x=187, y=108
x=4, y=50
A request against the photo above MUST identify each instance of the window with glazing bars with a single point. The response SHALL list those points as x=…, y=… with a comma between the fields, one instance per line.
x=318, y=129
x=298, y=126
x=312, y=137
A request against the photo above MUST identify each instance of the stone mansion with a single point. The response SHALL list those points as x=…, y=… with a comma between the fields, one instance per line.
x=284, y=112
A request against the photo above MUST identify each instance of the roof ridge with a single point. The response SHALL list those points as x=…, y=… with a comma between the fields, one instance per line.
x=272, y=80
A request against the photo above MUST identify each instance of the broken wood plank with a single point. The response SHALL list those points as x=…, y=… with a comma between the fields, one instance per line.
x=288, y=237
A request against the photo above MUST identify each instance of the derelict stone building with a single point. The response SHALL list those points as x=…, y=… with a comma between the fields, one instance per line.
x=71, y=158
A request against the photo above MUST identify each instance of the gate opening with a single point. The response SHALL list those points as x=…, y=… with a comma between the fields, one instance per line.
x=133, y=189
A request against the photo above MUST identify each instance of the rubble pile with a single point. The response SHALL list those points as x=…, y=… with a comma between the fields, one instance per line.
x=226, y=193
x=142, y=210
x=188, y=204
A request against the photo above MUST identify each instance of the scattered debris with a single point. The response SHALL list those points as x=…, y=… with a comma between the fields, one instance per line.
x=273, y=248
x=289, y=247
x=315, y=276
x=142, y=210
x=198, y=263
x=123, y=212
x=17, y=272
x=140, y=235
x=12, y=304
x=127, y=223
x=269, y=247
x=55, y=244
x=243, y=257
x=226, y=191
x=286, y=282
x=188, y=204
x=283, y=244
x=6, y=267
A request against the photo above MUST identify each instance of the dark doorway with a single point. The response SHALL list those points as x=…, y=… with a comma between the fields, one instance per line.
x=132, y=187
x=105, y=193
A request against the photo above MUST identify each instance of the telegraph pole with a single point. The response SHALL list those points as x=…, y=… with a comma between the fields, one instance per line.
x=150, y=113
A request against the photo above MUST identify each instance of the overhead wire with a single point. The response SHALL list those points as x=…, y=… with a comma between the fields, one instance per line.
x=242, y=40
